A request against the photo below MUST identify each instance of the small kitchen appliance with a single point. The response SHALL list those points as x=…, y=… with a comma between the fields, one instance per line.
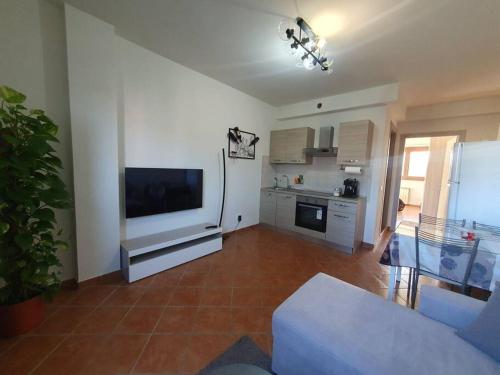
x=351, y=187
x=337, y=192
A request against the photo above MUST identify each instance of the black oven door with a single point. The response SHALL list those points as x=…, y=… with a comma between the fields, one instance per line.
x=311, y=216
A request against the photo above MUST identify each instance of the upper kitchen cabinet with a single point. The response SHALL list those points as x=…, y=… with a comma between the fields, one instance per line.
x=287, y=146
x=355, y=143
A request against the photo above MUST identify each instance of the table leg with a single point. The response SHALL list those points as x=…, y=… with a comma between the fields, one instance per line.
x=392, y=282
x=398, y=275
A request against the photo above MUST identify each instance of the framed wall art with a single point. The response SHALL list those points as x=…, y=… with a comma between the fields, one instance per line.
x=241, y=144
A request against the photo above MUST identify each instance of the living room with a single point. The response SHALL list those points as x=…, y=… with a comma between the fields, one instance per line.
x=224, y=279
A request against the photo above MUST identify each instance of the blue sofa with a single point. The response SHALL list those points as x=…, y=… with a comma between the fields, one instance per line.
x=330, y=327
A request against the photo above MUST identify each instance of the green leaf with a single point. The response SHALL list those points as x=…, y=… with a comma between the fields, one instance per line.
x=11, y=96
x=45, y=214
x=11, y=139
x=24, y=240
x=29, y=177
x=62, y=245
x=4, y=227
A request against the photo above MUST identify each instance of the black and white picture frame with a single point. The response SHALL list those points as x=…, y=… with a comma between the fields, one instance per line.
x=241, y=144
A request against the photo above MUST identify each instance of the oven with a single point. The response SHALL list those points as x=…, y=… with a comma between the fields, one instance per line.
x=311, y=213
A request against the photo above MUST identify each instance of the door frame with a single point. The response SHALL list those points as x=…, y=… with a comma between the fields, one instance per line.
x=398, y=165
x=389, y=175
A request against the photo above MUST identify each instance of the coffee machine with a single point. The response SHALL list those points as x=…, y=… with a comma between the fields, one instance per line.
x=351, y=187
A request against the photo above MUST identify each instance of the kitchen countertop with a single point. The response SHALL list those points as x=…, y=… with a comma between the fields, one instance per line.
x=312, y=193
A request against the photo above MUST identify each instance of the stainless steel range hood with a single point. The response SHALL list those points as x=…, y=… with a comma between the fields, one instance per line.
x=325, y=148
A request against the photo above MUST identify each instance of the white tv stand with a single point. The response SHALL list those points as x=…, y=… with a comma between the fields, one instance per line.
x=147, y=255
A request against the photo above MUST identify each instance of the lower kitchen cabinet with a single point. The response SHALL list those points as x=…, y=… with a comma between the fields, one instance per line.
x=285, y=211
x=345, y=224
x=268, y=207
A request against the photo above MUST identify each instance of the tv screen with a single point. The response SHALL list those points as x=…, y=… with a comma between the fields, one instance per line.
x=151, y=191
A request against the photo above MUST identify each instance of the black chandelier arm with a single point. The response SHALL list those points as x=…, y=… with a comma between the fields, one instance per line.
x=303, y=25
x=310, y=53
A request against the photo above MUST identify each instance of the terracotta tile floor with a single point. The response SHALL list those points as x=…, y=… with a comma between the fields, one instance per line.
x=178, y=321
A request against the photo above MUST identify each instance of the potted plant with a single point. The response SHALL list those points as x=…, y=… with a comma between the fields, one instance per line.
x=30, y=190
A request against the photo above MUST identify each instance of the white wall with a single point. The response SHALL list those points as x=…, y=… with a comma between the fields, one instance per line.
x=33, y=61
x=477, y=127
x=131, y=107
x=325, y=174
x=93, y=83
x=416, y=187
x=373, y=96
x=416, y=191
x=177, y=118
x=469, y=107
x=478, y=119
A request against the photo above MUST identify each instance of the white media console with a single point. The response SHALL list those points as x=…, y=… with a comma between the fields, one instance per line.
x=147, y=255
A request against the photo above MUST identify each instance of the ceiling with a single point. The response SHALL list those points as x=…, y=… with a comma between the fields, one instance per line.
x=438, y=50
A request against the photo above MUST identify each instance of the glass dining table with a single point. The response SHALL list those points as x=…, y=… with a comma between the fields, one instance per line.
x=401, y=252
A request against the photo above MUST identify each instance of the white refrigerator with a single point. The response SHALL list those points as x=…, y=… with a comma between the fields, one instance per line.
x=475, y=182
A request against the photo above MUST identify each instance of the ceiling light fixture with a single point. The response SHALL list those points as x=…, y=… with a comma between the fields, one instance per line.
x=305, y=41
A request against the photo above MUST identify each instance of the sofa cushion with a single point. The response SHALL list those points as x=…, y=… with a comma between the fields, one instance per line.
x=484, y=332
x=453, y=309
x=338, y=328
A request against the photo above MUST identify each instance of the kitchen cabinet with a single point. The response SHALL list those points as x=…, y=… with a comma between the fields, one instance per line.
x=277, y=152
x=287, y=146
x=285, y=211
x=355, y=141
x=268, y=207
x=345, y=223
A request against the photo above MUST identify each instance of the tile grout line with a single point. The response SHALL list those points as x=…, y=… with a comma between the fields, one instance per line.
x=190, y=335
x=330, y=265
x=132, y=370
x=68, y=335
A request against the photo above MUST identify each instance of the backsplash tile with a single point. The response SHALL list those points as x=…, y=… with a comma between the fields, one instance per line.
x=322, y=175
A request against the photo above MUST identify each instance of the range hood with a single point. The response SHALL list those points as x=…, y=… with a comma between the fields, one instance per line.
x=325, y=147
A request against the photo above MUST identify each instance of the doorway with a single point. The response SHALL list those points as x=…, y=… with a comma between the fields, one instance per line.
x=426, y=168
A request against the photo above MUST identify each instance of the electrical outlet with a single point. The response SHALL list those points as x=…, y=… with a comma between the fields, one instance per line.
x=239, y=218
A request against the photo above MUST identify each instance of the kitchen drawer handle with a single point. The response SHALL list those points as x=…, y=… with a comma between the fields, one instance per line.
x=342, y=217
x=350, y=161
x=341, y=205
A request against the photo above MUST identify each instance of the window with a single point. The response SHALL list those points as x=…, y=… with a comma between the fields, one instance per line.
x=415, y=163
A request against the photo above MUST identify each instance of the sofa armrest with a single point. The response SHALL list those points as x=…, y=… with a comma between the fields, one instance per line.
x=453, y=309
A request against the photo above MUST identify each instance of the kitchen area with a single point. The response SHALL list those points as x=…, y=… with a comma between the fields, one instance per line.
x=319, y=192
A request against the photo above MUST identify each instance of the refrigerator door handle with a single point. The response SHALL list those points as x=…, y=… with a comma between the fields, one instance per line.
x=456, y=163
x=454, y=181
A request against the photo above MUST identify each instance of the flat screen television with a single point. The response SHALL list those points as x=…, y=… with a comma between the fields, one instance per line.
x=151, y=191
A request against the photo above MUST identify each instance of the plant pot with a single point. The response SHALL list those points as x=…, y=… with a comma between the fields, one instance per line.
x=21, y=317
